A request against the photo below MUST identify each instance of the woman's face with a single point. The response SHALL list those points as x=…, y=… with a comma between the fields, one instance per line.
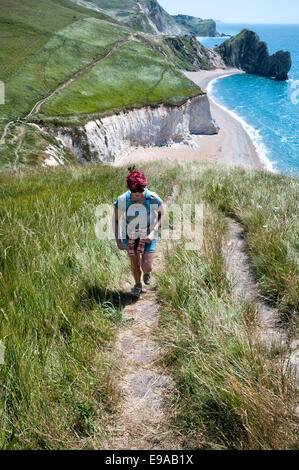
x=138, y=196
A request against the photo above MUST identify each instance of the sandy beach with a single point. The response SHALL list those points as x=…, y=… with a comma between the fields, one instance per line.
x=232, y=145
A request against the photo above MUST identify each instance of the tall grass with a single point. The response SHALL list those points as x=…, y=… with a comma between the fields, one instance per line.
x=233, y=392
x=60, y=302
x=267, y=206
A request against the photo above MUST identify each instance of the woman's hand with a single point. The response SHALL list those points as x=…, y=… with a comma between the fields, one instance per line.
x=150, y=237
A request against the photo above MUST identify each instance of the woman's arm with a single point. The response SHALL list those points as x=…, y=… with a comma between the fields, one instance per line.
x=161, y=215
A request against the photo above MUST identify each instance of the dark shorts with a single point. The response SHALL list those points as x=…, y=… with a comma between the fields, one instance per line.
x=148, y=247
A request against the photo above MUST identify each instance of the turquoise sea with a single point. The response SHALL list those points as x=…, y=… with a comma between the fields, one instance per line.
x=268, y=110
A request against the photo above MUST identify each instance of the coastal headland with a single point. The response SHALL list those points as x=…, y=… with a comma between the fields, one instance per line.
x=138, y=91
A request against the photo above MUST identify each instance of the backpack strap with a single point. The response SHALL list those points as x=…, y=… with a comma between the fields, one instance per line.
x=127, y=199
x=147, y=199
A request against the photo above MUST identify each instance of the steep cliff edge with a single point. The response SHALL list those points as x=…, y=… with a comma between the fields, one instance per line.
x=112, y=137
x=247, y=52
x=192, y=55
x=158, y=19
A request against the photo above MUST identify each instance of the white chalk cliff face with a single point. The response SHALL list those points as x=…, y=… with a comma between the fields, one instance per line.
x=111, y=138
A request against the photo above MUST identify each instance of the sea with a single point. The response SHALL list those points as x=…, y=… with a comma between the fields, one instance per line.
x=267, y=109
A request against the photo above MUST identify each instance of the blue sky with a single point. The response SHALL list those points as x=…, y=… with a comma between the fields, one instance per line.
x=237, y=11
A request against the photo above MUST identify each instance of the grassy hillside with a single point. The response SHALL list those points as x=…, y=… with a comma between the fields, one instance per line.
x=43, y=47
x=58, y=376
x=27, y=25
x=132, y=76
x=62, y=295
x=76, y=46
x=232, y=391
x=124, y=9
x=66, y=53
x=104, y=67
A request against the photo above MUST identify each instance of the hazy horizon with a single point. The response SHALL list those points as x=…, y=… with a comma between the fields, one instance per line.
x=236, y=12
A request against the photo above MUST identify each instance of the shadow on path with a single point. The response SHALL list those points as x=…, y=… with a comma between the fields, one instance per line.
x=95, y=293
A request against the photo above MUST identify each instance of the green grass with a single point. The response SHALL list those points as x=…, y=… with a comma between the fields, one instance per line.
x=266, y=205
x=61, y=302
x=231, y=390
x=55, y=279
x=118, y=7
x=130, y=13
x=125, y=11
x=132, y=76
x=231, y=393
x=126, y=78
x=67, y=52
x=27, y=25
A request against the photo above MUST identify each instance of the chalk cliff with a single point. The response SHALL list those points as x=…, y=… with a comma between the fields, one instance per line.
x=112, y=137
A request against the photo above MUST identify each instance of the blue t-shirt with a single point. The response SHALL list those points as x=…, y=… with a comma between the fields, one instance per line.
x=133, y=209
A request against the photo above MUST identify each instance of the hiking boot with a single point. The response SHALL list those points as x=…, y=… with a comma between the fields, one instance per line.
x=136, y=290
x=147, y=278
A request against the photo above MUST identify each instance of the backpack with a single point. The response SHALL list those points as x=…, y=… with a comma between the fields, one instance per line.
x=147, y=201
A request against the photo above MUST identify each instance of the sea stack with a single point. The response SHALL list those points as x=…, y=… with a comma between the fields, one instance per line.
x=245, y=51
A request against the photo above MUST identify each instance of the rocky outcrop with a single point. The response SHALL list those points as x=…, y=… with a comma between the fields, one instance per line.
x=112, y=137
x=189, y=52
x=215, y=59
x=222, y=35
x=245, y=51
x=148, y=16
x=159, y=21
x=143, y=15
x=196, y=26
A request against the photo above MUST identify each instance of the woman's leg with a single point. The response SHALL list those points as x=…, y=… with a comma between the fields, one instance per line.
x=136, y=267
x=147, y=262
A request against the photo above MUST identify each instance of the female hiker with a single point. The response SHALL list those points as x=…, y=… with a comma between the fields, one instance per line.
x=144, y=212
